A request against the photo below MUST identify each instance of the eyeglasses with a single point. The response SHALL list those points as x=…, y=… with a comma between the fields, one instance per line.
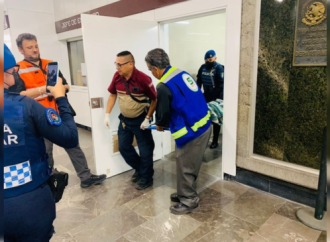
x=15, y=69
x=120, y=65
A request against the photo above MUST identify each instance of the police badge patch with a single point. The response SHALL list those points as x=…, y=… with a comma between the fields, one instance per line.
x=52, y=117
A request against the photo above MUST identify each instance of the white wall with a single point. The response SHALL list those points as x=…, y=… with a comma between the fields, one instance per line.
x=68, y=8
x=36, y=17
x=191, y=38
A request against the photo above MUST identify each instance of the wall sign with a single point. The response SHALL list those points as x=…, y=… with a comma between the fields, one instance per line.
x=117, y=9
x=310, y=44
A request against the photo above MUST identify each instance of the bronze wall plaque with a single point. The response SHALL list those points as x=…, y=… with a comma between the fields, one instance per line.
x=310, y=43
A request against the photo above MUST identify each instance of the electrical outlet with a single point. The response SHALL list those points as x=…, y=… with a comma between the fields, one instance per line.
x=108, y=171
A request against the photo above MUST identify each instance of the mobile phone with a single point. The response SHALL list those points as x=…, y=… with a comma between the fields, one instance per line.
x=52, y=74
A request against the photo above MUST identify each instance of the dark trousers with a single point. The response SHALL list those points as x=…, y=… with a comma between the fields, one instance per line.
x=143, y=163
x=216, y=132
x=77, y=158
x=188, y=163
x=29, y=217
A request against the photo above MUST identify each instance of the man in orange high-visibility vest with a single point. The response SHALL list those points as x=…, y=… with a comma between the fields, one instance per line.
x=33, y=72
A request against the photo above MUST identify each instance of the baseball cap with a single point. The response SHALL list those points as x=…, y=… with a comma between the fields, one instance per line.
x=9, y=59
x=209, y=54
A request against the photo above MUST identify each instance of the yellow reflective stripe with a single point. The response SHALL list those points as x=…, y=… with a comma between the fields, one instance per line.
x=180, y=133
x=201, y=122
x=167, y=73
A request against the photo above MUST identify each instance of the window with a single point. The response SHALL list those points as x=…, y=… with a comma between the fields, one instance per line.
x=77, y=63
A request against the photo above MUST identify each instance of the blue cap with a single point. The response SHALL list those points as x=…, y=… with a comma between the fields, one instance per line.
x=9, y=59
x=209, y=54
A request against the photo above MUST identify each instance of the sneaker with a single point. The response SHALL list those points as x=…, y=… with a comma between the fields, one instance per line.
x=141, y=185
x=135, y=177
x=180, y=208
x=214, y=145
x=93, y=180
x=174, y=198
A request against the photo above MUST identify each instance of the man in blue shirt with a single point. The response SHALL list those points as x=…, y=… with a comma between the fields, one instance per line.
x=211, y=77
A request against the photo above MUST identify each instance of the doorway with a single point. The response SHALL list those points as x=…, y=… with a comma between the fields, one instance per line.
x=186, y=41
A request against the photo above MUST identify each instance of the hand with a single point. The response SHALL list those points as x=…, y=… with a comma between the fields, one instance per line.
x=160, y=128
x=145, y=124
x=58, y=90
x=107, y=120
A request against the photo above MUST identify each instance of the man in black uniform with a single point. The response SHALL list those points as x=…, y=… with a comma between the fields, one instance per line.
x=211, y=77
x=29, y=207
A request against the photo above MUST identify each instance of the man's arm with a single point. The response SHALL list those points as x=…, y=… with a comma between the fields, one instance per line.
x=199, y=77
x=152, y=107
x=35, y=92
x=163, y=108
x=111, y=102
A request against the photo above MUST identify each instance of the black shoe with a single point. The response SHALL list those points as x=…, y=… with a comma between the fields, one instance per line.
x=214, y=145
x=93, y=180
x=135, y=177
x=140, y=185
x=174, y=198
x=180, y=208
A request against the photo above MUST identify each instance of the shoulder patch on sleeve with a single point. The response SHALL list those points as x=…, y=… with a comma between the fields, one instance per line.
x=52, y=117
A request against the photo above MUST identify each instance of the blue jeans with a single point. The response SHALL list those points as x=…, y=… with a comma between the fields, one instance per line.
x=143, y=163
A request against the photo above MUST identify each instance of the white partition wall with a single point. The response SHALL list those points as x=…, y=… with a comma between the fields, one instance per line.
x=104, y=38
x=164, y=15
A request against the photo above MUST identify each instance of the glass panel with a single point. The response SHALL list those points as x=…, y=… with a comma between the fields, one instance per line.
x=77, y=63
x=291, y=101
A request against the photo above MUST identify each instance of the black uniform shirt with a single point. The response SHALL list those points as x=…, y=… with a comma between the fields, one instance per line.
x=163, y=108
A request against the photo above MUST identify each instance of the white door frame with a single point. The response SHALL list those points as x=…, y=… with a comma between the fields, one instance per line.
x=232, y=57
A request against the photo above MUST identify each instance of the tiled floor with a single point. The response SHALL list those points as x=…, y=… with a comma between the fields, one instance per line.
x=116, y=211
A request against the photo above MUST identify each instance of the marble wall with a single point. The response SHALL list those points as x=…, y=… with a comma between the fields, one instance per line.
x=297, y=174
x=291, y=100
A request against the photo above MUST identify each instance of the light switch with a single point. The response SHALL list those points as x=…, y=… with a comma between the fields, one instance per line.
x=96, y=102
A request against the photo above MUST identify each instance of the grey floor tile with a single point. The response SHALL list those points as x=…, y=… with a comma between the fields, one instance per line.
x=281, y=229
x=254, y=206
x=204, y=180
x=289, y=210
x=122, y=239
x=221, y=226
x=211, y=154
x=230, y=188
x=164, y=177
x=165, y=227
x=152, y=203
x=213, y=167
x=62, y=238
x=108, y=227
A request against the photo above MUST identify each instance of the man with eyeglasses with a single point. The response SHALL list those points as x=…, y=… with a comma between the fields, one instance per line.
x=33, y=72
x=134, y=89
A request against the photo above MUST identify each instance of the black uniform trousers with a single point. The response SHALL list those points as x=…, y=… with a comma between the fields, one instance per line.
x=29, y=217
x=143, y=162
